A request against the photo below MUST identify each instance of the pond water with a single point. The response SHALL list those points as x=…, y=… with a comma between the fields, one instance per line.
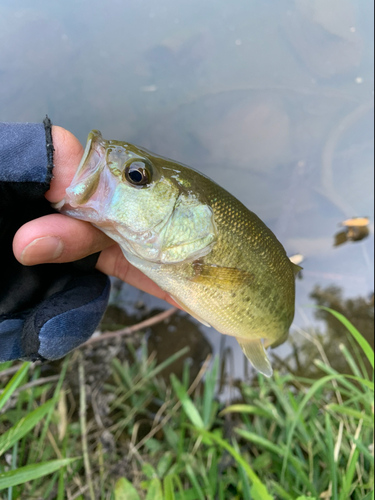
x=272, y=99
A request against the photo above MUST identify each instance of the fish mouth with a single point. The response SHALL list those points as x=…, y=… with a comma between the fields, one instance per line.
x=86, y=179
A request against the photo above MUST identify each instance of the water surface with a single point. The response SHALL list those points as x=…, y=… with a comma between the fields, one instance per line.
x=273, y=100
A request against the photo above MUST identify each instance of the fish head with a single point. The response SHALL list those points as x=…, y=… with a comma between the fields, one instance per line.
x=146, y=203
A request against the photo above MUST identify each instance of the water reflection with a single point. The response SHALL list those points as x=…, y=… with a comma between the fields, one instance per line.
x=327, y=340
x=324, y=35
x=180, y=331
x=273, y=100
x=356, y=229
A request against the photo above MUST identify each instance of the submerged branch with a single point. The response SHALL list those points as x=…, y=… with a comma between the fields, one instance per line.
x=129, y=330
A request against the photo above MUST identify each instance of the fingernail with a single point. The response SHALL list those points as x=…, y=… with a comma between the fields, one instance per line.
x=41, y=250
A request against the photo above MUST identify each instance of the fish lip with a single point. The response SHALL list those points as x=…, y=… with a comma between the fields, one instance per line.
x=59, y=205
x=84, y=183
x=95, y=137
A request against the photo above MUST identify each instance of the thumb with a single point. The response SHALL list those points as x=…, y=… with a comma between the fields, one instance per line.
x=66, y=158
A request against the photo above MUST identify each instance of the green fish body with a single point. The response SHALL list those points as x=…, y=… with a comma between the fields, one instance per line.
x=215, y=257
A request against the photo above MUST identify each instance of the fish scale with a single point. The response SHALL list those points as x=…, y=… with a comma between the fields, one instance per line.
x=215, y=257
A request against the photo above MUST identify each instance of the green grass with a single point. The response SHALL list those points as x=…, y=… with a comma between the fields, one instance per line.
x=134, y=436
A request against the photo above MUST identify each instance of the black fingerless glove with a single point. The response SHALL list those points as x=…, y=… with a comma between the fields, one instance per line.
x=46, y=310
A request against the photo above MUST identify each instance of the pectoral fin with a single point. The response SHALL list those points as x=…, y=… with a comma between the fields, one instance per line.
x=220, y=277
x=255, y=352
x=188, y=310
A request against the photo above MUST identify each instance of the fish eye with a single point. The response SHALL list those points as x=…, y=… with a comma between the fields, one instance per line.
x=137, y=172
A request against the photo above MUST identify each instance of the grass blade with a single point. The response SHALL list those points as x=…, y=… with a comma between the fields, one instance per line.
x=19, y=430
x=31, y=472
x=13, y=384
x=247, y=410
x=370, y=496
x=349, y=476
x=61, y=489
x=277, y=450
x=168, y=488
x=331, y=457
x=155, y=491
x=282, y=494
x=55, y=398
x=351, y=412
x=365, y=346
x=194, y=482
x=152, y=374
x=314, y=388
x=187, y=404
x=209, y=392
x=259, y=490
x=124, y=490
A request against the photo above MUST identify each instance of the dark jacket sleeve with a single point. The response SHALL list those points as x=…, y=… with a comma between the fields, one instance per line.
x=47, y=310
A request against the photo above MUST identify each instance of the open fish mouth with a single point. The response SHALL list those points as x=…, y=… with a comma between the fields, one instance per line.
x=86, y=180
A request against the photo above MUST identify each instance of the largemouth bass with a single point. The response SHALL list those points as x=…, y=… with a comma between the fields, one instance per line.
x=214, y=257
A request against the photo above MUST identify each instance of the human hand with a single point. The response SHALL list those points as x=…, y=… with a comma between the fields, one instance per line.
x=56, y=238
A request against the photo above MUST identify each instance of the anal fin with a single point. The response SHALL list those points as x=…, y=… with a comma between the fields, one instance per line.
x=255, y=352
